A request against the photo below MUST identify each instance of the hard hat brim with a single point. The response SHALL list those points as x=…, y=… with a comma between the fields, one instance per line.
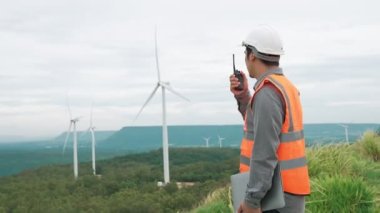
x=260, y=55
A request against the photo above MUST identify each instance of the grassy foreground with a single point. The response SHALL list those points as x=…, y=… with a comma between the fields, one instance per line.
x=344, y=178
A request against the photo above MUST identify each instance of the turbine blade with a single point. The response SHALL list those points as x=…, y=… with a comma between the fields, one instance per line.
x=168, y=87
x=67, y=137
x=146, y=102
x=156, y=53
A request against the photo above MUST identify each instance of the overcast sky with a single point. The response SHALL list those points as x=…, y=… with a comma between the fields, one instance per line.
x=103, y=51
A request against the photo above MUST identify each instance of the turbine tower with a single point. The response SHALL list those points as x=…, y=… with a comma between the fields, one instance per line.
x=164, y=86
x=73, y=129
x=346, y=130
x=220, y=141
x=207, y=140
x=91, y=129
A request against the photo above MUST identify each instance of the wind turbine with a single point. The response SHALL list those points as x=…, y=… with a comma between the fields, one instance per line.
x=346, y=130
x=91, y=129
x=207, y=140
x=220, y=141
x=164, y=86
x=73, y=126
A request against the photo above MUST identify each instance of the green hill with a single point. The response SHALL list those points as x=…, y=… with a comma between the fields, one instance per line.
x=127, y=184
x=150, y=137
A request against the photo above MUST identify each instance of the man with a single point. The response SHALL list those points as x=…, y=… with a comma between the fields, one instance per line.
x=273, y=127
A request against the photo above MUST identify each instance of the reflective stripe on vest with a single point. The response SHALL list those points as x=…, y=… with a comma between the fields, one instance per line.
x=291, y=151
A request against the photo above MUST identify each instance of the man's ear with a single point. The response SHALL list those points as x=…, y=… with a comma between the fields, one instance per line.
x=252, y=57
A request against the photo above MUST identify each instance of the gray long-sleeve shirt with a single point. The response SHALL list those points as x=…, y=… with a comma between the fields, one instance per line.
x=268, y=111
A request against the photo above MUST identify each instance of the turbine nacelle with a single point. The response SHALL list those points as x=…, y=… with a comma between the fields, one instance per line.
x=207, y=141
x=164, y=83
x=346, y=131
x=220, y=141
x=76, y=119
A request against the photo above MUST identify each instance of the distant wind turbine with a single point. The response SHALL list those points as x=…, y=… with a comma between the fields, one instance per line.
x=91, y=129
x=73, y=126
x=346, y=130
x=207, y=140
x=220, y=141
x=164, y=86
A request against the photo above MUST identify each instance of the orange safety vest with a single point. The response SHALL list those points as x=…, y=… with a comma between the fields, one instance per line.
x=291, y=151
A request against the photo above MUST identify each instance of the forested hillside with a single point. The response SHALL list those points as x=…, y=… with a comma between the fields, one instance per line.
x=127, y=184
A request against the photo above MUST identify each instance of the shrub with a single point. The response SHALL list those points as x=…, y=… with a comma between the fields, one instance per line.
x=171, y=188
x=369, y=144
x=331, y=160
x=340, y=194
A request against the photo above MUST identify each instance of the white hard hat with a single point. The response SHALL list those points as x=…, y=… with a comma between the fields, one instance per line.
x=265, y=40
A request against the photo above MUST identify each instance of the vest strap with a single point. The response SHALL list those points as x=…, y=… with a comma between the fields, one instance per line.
x=245, y=160
x=292, y=164
x=280, y=86
x=291, y=136
x=284, y=137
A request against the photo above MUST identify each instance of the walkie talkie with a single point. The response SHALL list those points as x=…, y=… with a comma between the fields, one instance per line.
x=238, y=75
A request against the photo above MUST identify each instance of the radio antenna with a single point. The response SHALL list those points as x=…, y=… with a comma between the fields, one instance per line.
x=233, y=61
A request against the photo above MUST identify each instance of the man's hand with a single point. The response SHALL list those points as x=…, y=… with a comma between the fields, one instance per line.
x=245, y=209
x=234, y=83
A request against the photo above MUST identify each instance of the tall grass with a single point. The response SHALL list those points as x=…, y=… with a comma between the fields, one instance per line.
x=218, y=201
x=340, y=194
x=370, y=145
x=334, y=159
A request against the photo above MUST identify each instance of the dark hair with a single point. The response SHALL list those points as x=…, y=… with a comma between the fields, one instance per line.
x=270, y=63
x=248, y=51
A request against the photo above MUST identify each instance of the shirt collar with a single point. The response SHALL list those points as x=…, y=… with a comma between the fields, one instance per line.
x=276, y=71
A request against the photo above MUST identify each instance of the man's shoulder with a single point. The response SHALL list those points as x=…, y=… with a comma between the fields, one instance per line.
x=268, y=89
x=269, y=93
